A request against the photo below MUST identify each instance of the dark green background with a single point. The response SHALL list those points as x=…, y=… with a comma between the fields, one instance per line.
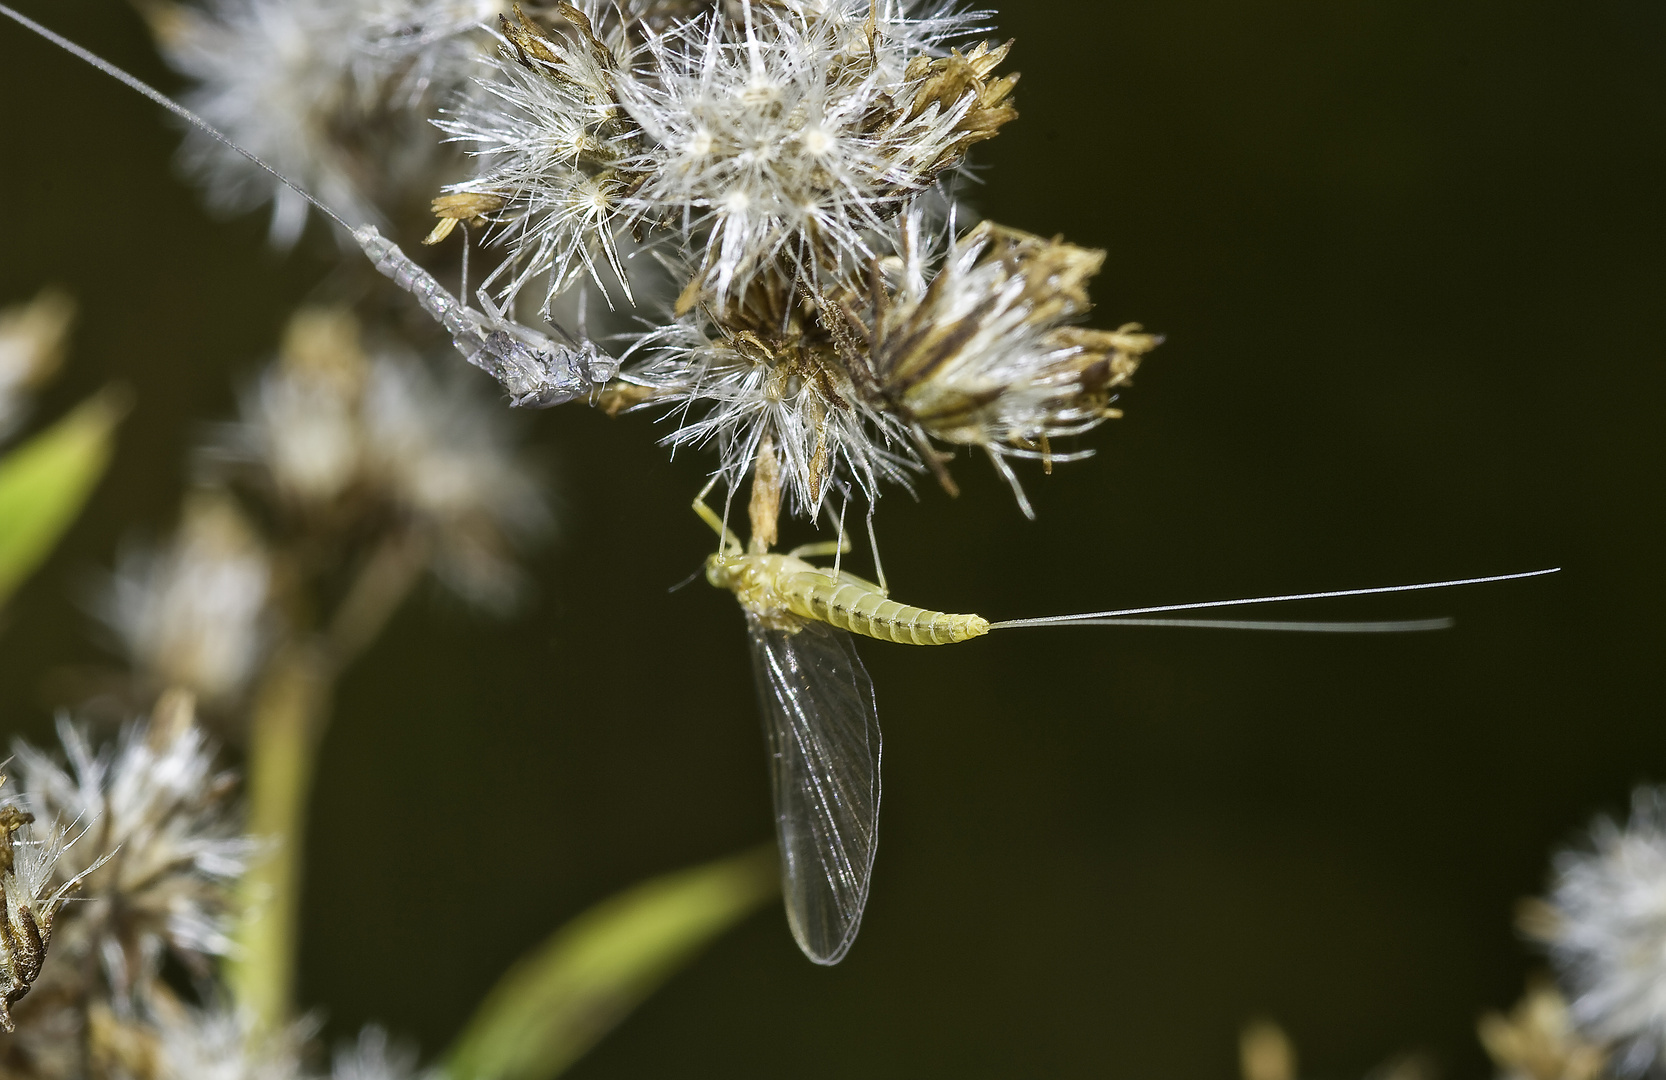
x=1409, y=259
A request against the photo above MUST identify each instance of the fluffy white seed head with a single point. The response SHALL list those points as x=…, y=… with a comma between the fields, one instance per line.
x=159, y=847
x=789, y=138
x=221, y=1043
x=193, y=613
x=1607, y=933
x=548, y=135
x=323, y=90
x=761, y=138
x=730, y=390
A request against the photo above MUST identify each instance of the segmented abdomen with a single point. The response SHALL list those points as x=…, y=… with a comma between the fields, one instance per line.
x=386, y=256
x=863, y=611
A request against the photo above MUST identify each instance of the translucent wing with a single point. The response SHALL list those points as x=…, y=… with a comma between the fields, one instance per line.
x=823, y=731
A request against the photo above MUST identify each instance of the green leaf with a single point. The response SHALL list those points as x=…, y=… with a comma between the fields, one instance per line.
x=559, y=1000
x=44, y=482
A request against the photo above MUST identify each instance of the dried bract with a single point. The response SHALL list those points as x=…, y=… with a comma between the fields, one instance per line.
x=1607, y=933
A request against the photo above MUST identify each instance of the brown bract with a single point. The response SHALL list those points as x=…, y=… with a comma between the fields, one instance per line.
x=948, y=79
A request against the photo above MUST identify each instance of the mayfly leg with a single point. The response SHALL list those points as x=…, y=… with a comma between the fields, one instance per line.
x=873, y=542
x=728, y=543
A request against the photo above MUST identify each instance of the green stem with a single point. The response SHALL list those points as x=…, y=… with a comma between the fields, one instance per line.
x=286, y=725
x=287, y=719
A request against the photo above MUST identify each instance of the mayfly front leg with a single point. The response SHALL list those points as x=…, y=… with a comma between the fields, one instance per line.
x=535, y=370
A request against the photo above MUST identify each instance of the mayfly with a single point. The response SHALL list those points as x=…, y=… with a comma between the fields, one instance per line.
x=821, y=722
x=535, y=370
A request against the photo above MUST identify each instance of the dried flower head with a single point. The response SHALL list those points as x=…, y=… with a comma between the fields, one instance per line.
x=32, y=337
x=157, y=807
x=1606, y=933
x=980, y=350
x=194, y=612
x=33, y=889
x=763, y=137
x=984, y=354
x=1538, y=1041
x=794, y=136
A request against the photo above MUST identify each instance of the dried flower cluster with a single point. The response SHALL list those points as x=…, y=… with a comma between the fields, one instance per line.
x=111, y=860
x=32, y=337
x=787, y=167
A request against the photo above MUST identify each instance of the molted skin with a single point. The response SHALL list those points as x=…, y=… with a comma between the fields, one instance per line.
x=782, y=591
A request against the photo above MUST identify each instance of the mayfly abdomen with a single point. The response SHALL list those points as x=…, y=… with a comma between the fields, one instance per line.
x=851, y=607
x=429, y=294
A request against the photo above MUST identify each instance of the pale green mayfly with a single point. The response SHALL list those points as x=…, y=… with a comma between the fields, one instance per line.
x=821, y=722
x=818, y=702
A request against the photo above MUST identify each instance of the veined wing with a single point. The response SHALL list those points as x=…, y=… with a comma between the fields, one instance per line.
x=823, y=733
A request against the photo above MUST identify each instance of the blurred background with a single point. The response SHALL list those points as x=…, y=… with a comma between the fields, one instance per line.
x=1409, y=258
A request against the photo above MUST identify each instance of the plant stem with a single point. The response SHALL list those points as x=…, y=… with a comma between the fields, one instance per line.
x=286, y=725
x=287, y=719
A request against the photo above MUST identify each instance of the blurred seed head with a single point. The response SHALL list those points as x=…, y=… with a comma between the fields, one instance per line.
x=32, y=339
x=1606, y=933
x=349, y=443
x=220, y=1043
x=323, y=90
x=193, y=612
x=373, y=1056
x=1538, y=1040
